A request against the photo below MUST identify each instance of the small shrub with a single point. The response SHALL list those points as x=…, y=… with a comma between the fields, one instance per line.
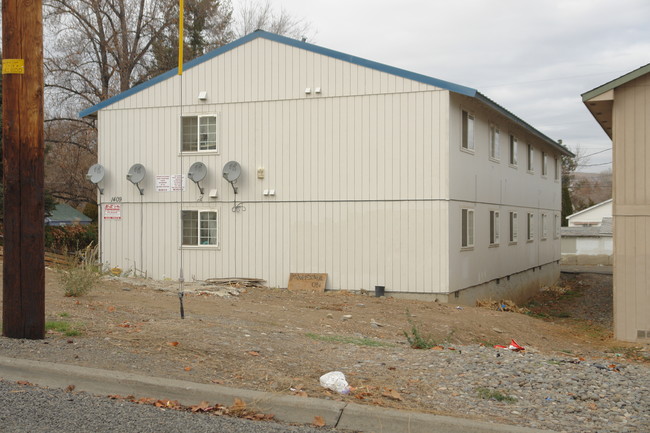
x=82, y=273
x=63, y=328
x=417, y=340
x=491, y=394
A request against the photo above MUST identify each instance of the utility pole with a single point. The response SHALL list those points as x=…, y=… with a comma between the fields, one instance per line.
x=23, y=308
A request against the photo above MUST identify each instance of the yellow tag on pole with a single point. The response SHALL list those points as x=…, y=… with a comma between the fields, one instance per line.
x=13, y=66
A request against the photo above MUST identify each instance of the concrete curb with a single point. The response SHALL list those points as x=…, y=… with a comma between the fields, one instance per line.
x=286, y=408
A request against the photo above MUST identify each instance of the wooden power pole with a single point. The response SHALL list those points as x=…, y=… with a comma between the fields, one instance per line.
x=23, y=308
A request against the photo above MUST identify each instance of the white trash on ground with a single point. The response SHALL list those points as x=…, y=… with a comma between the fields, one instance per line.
x=335, y=380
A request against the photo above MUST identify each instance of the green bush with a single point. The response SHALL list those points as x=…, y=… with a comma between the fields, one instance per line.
x=70, y=238
x=417, y=340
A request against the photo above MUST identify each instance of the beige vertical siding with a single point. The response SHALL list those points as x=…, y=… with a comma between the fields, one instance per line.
x=483, y=184
x=631, y=208
x=357, y=170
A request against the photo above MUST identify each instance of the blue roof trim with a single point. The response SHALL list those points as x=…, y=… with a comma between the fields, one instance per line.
x=523, y=123
x=456, y=88
x=294, y=43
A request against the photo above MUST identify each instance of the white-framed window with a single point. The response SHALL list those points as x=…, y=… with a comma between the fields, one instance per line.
x=494, y=227
x=495, y=146
x=544, y=164
x=531, y=152
x=467, y=228
x=199, y=133
x=513, y=149
x=467, y=137
x=200, y=228
x=513, y=227
x=530, y=227
x=557, y=168
x=544, y=226
x=556, y=225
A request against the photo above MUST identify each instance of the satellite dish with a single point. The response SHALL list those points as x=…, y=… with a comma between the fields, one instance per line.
x=197, y=173
x=96, y=174
x=136, y=175
x=231, y=172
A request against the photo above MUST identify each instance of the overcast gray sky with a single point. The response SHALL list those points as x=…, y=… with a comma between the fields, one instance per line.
x=534, y=57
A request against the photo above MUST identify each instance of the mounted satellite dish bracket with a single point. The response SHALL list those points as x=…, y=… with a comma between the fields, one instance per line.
x=231, y=172
x=136, y=175
x=96, y=174
x=197, y=173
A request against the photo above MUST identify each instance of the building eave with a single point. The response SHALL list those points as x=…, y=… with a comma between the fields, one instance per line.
x=600, y=101
x=446, y=85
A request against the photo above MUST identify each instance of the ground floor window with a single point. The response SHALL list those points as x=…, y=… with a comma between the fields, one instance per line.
x=513, y=226
x=467, y=227
x=530, y=227
x=199, y=227
x=494, y=227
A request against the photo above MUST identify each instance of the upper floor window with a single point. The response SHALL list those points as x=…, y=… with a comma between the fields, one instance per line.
x=513, y=150
x=544, y=226
x=530, y=157
x=494, y=227
x=495, y=150
x=199, y=227
x=199, y=133
x=530, y=228
x=544, y=164
x=468, y=131
x=557, y=168
x=467, y=228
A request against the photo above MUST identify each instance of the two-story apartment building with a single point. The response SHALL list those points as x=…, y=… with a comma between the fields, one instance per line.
x=369, y=173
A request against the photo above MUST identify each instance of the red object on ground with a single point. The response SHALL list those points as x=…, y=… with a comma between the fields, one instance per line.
x=513, y=346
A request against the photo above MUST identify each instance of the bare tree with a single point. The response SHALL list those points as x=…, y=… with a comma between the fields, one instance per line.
x=257, y=15
x=207, y=25
x=97, y=49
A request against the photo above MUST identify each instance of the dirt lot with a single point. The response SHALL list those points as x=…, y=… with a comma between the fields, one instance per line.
x=276, y=340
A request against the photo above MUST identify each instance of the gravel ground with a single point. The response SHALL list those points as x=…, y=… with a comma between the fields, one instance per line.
x=25, y=408
x=572, y=377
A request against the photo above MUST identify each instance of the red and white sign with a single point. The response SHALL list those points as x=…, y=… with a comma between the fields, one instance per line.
x=113, y=211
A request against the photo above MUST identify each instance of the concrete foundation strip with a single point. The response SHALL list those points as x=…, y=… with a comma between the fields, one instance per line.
x=286, y=408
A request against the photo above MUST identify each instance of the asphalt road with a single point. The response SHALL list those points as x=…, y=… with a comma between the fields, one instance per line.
x=25, y=408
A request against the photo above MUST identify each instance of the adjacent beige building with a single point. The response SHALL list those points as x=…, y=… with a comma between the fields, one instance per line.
x=622, y=108
x=372, y=174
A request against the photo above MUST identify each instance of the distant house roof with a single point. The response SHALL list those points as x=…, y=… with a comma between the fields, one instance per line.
x=603, y=230
x=456, y=88
x=597, y=205
x=66, y=215
x=600, y=100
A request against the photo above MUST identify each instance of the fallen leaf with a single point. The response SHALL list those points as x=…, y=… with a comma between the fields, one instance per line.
x=392, y=394
x=70, y=388
x=204, y=406
x=239, y=404
x=24, y=382
x=187, y=368
x=301, y=394
x=172, y=343
x=111, y=309
x=318, y=421
x=217, y=381
x=437, y=348
x=253, y=353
